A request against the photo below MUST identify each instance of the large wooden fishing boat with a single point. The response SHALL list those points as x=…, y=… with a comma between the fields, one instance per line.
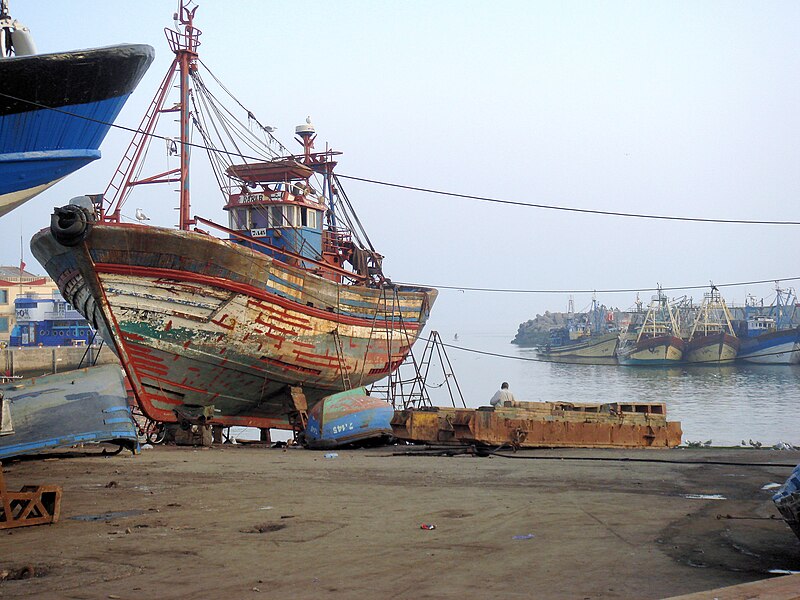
x=55, y=109
x=590, y=338
x=712, y=339
x=292, y=303
x=655, y=342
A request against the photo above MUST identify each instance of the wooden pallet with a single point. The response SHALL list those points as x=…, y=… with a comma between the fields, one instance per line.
x=32, y=505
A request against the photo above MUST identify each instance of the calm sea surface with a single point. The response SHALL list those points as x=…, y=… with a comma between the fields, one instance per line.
x=723, y=404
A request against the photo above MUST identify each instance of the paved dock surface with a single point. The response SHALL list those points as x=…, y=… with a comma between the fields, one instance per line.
x=248, y=522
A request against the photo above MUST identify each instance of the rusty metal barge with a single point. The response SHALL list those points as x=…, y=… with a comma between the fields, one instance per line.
x=287, y=306
x=542, y=425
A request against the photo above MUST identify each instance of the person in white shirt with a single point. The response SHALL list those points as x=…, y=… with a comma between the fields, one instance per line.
x=502, y=395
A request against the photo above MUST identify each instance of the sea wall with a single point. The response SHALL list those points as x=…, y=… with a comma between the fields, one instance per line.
x=35, y=361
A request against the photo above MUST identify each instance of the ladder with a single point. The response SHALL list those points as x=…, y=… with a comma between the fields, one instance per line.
x=337, y=339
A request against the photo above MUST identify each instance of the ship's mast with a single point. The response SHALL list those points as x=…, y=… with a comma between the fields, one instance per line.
x=184, y=44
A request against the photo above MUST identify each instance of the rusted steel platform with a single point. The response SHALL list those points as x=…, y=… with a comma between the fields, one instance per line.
x=32, y=505
x=542, y=425
x=776, y=588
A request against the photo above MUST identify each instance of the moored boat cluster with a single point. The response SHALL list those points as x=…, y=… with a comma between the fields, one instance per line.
x=679, y=332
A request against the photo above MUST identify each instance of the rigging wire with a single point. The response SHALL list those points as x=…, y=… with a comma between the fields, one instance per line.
x=250, y=115
x=569, y=208
x=591, y=291
x=428, y=190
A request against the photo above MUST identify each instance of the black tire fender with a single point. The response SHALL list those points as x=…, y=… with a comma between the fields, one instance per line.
x=70, y=224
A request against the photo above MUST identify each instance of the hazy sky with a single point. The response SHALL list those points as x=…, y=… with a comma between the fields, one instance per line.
x=670, y=108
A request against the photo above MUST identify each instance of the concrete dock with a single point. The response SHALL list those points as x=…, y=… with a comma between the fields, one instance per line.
x=249, y=522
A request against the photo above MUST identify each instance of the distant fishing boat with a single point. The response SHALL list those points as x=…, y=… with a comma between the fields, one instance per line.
x=287, y=306
x=349, y=418
x=771, y=338
x=712, y=339
x=55, y=109
x=654, y=342
x=56, y=411
x=591, y=338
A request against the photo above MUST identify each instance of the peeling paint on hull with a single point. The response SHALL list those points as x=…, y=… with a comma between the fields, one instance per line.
x=200, y=322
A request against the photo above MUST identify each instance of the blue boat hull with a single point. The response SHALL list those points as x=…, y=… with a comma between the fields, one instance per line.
x=55, y=111
x=54, y=411
x=347, y=419
x=774, y=348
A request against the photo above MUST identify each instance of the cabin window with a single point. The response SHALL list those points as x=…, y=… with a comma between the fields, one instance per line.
x=239, y=219
x=3, y=296
x=293, y=216
x=309, y=218
x=259, y=219
x=4, y=324
x=275, y=217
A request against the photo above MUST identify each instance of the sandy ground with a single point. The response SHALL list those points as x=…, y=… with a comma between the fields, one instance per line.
x=248, y=522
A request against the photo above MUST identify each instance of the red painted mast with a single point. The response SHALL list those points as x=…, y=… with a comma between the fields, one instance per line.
x=185, y=48
x=184, y=45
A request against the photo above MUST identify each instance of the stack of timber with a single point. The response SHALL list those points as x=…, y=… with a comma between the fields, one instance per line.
x=542, y=425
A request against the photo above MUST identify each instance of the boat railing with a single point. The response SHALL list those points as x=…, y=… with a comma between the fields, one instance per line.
x=336, y=240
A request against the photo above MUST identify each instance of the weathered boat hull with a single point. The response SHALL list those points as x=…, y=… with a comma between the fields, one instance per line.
x=600, y=349
x=773, y=348
x=62, y=107
x=53, y=411
x=347, y=419
x=204, y=325
x=712, y=349
x=658, y=351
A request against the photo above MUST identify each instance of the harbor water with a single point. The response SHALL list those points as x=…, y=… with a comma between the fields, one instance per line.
x=724, y=404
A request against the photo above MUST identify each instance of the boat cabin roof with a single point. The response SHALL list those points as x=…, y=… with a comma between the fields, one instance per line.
x=286, y=169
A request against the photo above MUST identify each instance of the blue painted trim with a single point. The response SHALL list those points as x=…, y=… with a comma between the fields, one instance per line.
x=117, y=420
x=69, y=440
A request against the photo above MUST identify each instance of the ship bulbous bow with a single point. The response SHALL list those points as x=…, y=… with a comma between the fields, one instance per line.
x=71, y=224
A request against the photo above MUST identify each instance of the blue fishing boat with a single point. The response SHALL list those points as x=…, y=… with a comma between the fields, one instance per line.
x=55, y=411
x=349, y=418
x=55, y=109
x=770, y=335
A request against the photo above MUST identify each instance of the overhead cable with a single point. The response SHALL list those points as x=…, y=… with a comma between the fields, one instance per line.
x=593, y=291
x=433, y=191
x=568, y=208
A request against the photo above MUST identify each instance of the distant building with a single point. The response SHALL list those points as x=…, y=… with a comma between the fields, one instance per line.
x=49, y=321
x=17, y=282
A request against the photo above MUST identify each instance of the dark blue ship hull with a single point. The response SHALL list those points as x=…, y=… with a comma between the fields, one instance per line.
x=55, y=111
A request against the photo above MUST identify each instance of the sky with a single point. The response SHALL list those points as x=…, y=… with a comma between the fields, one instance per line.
x=666, y=108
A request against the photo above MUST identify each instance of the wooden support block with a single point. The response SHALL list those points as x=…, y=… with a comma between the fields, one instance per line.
x=32, y=505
